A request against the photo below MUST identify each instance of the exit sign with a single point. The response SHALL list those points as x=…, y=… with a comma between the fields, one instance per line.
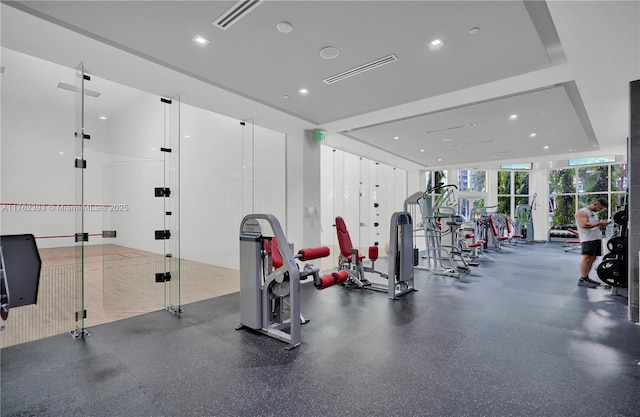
x=319, y=135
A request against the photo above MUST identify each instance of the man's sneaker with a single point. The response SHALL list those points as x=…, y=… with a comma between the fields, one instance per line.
x=587, y=284
x=592, y=281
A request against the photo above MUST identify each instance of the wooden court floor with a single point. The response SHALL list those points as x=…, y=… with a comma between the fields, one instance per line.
x=119, y=283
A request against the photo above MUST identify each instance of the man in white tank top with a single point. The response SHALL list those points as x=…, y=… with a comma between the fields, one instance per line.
x=590, y=234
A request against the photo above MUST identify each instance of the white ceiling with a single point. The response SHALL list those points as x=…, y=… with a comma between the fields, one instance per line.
x=563, y=67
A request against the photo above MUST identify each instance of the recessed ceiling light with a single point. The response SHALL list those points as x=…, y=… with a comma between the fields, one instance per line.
x=329, y=52
x=284, y=27
x=545, y=147
x=513, y=117
x=285, y=96
x=439, y=159
x=103, y=117
x=533, y=135
x=187, y=136
x=153, y=149
x=474, y=30
x=421, y=150
x=200, y=40
x=303, y=91
x=61, y=153
x=436, y=43
x=396, y=137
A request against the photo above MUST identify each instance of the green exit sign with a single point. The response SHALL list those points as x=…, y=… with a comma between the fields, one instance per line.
x=319, y=135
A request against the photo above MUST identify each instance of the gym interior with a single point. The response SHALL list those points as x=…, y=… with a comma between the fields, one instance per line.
x=176, y=243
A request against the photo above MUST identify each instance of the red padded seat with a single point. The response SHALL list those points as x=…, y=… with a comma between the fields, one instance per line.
x=275, y=254
x=344, y=240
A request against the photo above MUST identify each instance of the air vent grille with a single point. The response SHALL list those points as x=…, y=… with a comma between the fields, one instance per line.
x=362, y=68
x=235, y=13
x=474, y=124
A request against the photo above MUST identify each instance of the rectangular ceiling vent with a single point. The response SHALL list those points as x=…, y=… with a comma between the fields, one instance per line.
x=235, y=13
x=362, y=68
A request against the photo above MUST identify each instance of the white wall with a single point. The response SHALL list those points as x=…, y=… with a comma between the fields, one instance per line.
x=227, y=170
x=539, y=184
x=351, y=186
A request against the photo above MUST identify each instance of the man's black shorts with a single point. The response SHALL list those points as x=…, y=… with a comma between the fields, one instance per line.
x=592, y=247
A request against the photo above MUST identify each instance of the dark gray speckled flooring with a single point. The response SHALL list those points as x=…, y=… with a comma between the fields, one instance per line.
x=516, y=337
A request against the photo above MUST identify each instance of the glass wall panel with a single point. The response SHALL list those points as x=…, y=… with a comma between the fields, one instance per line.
x=79, y=238
x=520, y=200
x=564, y=209
x=472, y=180
x=504, y=205
x=521, y=183
x=171, y=210
x=131, y=177
x=212, y=200
x=133, y=256
x=578, y=187
x=38, y=188
x=619, y=179
x=593, y=179
x=110, y=205
x=562, y=181
x=504, y=182
x=617, y=202
x=428, y=179
x=586, y=199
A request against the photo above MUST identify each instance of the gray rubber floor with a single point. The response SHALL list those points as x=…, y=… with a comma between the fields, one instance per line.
x=515, y=337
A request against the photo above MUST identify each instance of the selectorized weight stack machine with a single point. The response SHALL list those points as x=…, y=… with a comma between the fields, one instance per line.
x=614, y=268
x=270, y=280
x=401, y=258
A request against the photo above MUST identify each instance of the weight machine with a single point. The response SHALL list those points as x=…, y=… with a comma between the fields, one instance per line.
x=400, y=276
x=20, y=266
x=270, y=280
x=524, y=220
x=614, y=268
x=437, y=206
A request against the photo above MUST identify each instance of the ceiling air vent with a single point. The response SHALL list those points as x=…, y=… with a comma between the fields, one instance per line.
x=235, y=13
x=362, y=68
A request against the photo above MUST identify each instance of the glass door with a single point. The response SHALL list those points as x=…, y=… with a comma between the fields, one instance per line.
x=140, y=197
x=171, y=203
x=80, y=236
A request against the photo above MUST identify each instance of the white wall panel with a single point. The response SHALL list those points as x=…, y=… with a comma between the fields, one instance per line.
x=328, y=234
x=269, y=186
x=211, y=187
x=350, y=194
